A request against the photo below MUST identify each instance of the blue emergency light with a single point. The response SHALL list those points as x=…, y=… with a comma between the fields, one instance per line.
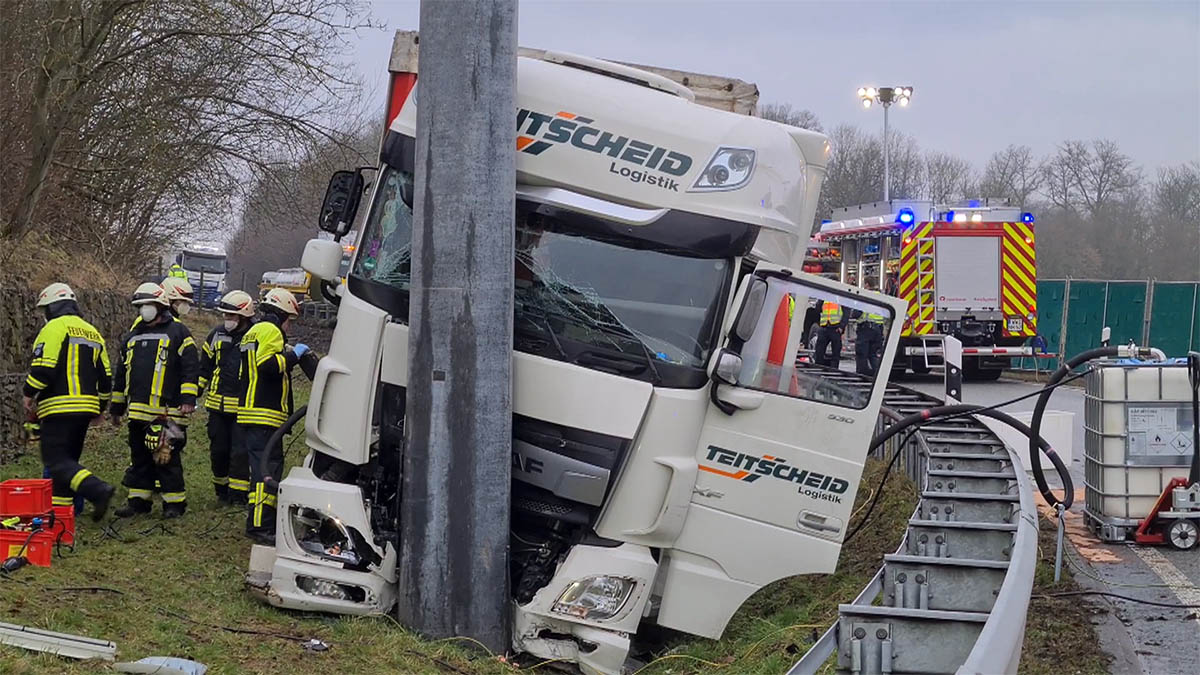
x=905, y=217
x=1026, y=217
x=949, y=216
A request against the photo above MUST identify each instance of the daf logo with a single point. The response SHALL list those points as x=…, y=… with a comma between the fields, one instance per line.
x=841, y=418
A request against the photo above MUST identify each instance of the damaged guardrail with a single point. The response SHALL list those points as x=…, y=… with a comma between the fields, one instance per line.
x=956, y=591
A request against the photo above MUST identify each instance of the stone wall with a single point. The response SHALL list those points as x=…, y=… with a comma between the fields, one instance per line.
x=20, y=322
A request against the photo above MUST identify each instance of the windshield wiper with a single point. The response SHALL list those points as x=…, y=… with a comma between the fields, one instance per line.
x=533, y=317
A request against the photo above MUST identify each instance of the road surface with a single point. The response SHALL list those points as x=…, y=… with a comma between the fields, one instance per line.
x=1140, y=638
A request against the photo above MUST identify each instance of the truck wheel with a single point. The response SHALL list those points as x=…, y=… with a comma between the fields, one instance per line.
x=1183, y=534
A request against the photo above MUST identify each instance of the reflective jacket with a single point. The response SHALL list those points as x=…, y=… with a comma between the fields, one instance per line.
x=831, y=314
x=70, y=372
x=177, y=272
x=220, y=362
x=266, y=378
x=158, y=371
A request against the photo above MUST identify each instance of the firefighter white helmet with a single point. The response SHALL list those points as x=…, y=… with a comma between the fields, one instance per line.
x=54, y=293
x=283, y=300
x=150, y=292
x=237, y=302
x=178, y=289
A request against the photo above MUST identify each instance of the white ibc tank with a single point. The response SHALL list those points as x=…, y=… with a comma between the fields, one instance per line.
x=1137, y=436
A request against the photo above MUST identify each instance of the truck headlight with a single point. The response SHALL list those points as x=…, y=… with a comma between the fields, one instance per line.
x=594, y=598
x=729, y=169
x=322, y=535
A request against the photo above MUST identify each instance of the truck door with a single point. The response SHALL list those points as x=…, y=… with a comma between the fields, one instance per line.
x=783, y=442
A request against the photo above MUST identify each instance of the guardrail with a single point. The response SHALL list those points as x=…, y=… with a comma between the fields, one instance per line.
x=956, y=591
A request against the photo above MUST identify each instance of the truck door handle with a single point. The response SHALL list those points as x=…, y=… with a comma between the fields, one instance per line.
x=818, y=522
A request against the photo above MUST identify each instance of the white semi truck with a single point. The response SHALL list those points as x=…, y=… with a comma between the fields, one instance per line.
x=206, y=266
x=670, y=456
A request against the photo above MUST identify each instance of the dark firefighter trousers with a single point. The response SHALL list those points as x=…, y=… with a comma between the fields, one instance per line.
x=263, y=500
x=230, y=466
x=829, y=336
x=142, y=473
x=62, y=445
x=868, y=348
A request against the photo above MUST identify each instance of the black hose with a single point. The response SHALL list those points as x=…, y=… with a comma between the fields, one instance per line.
x=1039, y=410
x=1193, y=364
x=942, y=412
x=264, y=463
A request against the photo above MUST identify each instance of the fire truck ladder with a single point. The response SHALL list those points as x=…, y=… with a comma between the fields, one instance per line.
x=926, y=282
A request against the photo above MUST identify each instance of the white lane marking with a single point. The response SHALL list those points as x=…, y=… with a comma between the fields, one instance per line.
x=1181, y=586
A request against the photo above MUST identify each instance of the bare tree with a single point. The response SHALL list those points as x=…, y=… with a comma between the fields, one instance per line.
x=1090, y=178
x=947, y=177
x=786, y=114
x=144, y=115
x=1175, y=228
x=1013, y=174
x=906, y=167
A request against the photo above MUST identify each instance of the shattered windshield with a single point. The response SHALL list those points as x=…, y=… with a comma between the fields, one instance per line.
x=646, y=313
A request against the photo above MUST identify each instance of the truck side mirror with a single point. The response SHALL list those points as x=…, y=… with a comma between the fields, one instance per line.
x=341, y=202
x=322, y=258
x=752, y=308
x=729, y=366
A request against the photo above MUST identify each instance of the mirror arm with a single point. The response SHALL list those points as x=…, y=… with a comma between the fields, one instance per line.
x=727, y=408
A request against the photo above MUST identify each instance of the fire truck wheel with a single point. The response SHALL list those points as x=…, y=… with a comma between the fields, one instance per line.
x=1183, y=534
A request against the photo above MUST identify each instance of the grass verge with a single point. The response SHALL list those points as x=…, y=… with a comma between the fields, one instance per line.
x=1059, y=634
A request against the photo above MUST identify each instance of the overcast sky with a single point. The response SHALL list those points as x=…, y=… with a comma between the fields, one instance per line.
x=984, y=74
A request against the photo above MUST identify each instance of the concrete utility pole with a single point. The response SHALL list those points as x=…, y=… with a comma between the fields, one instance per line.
x=454, y=509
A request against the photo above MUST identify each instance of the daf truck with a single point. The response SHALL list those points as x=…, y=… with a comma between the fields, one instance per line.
x=206, y=266
x=672, y=451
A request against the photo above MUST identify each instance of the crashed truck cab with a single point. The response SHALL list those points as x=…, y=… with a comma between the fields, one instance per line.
x=670, y=457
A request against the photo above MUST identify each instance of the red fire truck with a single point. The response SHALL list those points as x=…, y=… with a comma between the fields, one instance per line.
x=968, y=271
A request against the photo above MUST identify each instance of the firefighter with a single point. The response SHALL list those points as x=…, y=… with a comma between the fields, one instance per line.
x=220, y=359
x=176, y=271
x=68, y=387
x=156, y=383
x=179, y=294
x=266, y=402
x=868, y=342
x=829, y=335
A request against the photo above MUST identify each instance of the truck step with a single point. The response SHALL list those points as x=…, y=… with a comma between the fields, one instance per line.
x=963, y=440
x=960, y=585
x=958, y=539
x=894, y=640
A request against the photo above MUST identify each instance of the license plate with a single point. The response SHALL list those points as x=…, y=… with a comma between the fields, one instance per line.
x=1015, y=324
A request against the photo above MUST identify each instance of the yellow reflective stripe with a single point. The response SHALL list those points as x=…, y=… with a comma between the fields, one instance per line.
x=156, y=383
x=273, y=419
x=62, y=501
x=118, y=397
x=80, y=476
x=220, y=480
x=136, y=493
x=35, y=383
x=270, y=499
x=72, y=369
x=189, y=389
x=239, y=484
x=174, y=497
x=257, y=499
x=186, y=341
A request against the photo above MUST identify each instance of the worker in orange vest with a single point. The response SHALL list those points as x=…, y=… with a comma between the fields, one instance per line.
x=829, y=335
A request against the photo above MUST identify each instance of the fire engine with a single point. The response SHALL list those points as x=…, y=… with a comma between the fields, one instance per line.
x=969, y=271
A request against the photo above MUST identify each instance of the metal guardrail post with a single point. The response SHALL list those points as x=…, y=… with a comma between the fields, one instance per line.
x=952, y=358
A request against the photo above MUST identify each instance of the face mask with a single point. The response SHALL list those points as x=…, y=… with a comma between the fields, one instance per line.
x=181, y=308
x=149, y=313
x=231, y=325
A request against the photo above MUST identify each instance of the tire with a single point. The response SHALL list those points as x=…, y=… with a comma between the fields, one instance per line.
x=1183, y=534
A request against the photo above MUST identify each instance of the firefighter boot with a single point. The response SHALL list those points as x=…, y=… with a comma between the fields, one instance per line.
x=222, y=491
x=174, y=509
x=133, y=507
x=100, y=504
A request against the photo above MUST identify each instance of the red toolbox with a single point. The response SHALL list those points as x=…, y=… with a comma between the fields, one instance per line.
x=64, y=524
x=24, y=496
x=37, y=548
